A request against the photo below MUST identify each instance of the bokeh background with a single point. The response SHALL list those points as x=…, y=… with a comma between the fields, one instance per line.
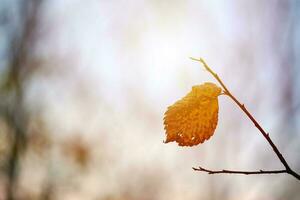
x=85, y=84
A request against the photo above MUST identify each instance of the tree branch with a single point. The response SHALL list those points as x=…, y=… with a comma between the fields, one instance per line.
x=287, y=170
x=225, y=171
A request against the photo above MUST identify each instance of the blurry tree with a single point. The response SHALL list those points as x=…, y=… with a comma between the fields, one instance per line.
x=19, y=21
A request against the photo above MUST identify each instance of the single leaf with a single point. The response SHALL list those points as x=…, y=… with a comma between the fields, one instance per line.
x=193, y=119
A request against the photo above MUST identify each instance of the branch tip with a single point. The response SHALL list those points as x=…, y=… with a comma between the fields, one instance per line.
x=195, y=59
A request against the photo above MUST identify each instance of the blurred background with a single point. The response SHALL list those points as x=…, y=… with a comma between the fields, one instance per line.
x=84, y=86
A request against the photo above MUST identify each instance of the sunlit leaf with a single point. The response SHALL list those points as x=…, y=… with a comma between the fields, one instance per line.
x=193, y=119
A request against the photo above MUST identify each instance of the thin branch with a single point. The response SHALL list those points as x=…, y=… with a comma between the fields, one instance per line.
x=257, y=125
x=225, y=171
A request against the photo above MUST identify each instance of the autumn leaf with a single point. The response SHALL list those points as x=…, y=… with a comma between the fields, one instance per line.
x=193, y=119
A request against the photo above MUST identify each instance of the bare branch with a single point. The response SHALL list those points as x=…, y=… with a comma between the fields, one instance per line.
x=225, y=171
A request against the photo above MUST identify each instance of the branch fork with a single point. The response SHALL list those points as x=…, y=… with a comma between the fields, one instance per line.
x=286, y=169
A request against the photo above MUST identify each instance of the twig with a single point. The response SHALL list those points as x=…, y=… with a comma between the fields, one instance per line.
x=239, y=172
x=287, y=170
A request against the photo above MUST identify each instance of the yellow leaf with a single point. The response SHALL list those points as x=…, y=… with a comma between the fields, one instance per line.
x=193, y=119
